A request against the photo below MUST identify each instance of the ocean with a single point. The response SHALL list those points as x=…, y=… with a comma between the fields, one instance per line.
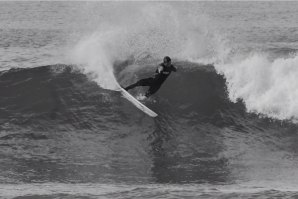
x=227, y=119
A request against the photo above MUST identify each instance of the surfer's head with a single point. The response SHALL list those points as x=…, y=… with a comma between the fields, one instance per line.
x=167, y=60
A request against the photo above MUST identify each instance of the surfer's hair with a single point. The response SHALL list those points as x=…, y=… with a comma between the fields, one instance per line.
x=167, y=58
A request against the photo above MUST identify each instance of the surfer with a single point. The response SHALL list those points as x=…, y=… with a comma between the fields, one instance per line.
x=161, y=74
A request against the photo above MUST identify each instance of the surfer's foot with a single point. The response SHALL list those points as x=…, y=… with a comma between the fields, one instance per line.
x=141, y=97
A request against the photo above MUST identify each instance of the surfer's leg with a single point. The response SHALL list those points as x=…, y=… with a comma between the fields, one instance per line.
x=131, y=86
x=153, y=89
x=142, y=82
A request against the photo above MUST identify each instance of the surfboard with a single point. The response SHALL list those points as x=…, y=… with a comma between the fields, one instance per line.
x=137, y=103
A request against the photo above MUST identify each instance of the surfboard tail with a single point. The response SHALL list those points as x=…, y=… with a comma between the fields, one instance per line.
x=137, y=103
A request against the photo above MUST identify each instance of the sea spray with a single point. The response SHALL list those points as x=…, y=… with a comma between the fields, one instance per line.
x=150, y=30
x=93, y=54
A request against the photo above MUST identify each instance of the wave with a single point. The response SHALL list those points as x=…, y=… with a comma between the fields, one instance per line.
x=195, y=93
x=68, y=123
x=199, y=132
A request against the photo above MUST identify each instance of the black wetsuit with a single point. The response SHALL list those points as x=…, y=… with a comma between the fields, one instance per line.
x=155, y=82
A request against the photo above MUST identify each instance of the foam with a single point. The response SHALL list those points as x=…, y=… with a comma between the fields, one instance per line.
x=266, y=87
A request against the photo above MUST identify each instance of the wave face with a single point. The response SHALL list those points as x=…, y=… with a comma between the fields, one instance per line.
x=50, y=113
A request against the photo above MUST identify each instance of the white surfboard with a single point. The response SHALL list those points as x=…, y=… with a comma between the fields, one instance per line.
x=137, y=103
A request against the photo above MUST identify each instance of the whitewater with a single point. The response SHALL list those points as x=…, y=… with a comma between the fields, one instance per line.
x=227, y=119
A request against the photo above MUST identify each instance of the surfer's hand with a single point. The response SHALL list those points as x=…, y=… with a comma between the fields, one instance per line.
x=160, y=69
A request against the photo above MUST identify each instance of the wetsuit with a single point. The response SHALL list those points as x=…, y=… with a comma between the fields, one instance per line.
x=155, y=82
